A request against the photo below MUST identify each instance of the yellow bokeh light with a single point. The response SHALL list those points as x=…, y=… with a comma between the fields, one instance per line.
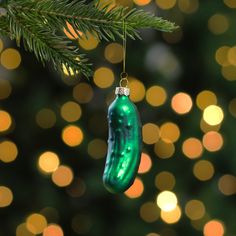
x=229, y=72
x=97, y=148
x=164, y=149
x=89, y=41
x=53, y=230
x=145, y=163
x=213, y=115
x=68, y=71
x=8, y=151
x=181, y=103
x=205, y=99
x=150, y=133
x=5, y=121
x=192, y=148
x=212, y=141
x=227, y=184
x=195, y=209
x=22, y=230
x=1, y=45
x=167, y=201
x=165, y=181
x=171, y=217
x=6, y=196
x=230, y=3
x=206, y=127
x=36, y=223
x=83, y=93
x=221, y=56
x=153, y=234
x=48, y=162
x=141, y=2
x=114, y=53
x=46, y=118
x=71, y=111
x=103, y=77
x=213, y=228
x=149, y=212
x=218, y=24
x=188, y=6
x=136, y=189
x=169, y=131
x=232, y=107
x=203, y=170
x=72, y=135
x=166, y=4
x=5, y=88
x=137, y=90
x=156, y=96
x=63, y=176
x=10, y=58
x=232, y=56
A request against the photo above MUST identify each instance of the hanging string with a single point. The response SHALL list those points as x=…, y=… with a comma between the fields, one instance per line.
x=124, y=74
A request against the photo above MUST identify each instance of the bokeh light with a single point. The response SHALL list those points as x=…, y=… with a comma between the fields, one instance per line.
x=8, y=151
x=10, y=58
x=97, y=148
x=137, y=90
x=195, y=209
x=166, y=4
x=114, y=53
x=165, y=181
x=206, y=98
x=103, y=77
x=192, y=148
x=22, y=230
x=5, y=121
x=227, y=184
x=188, y=6
x=181, y=103
x=232, y=107
x=71, y=111
x=6, y=196
x=213, y=115
x=36, y=223
x=141, y=2
x=171, y=217
x=164, y=149
x=89, y=41
x=145, y=163
x=169, y=131
x=46, y=118
x=232, y=56
x=63, y=176
x=71, y=33
x=83, y=93
x=221, y=56
x=212, y=141
x=150, y=133
x=149, y=212
x=48, y=162
x=5, y=88
x=218, y=24
x=53, y=230
x=167, y=201
x=136, y=189
x=229, y=72
x=203, y=170
x=230, y=3
x=72, y=135
x=156, y=96
x=207, y=128
x=77, y=188
x=213, y=228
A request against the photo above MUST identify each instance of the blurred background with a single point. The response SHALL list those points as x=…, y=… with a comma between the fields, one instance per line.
x=53, y=132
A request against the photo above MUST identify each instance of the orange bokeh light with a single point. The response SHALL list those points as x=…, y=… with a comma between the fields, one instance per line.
x=192, y=148
x=213, y=228
x=181, y=103
x=212, y=141
x=53, y=230
x=145, y=164
x=72, y=135
x=136, y=189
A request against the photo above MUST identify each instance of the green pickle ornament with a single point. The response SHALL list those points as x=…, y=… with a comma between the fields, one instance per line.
x=124, y=143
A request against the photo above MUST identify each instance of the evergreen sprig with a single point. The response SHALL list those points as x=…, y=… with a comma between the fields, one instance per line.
x=39, y=25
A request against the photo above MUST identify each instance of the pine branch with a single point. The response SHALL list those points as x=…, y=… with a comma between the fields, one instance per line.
x=39, y=24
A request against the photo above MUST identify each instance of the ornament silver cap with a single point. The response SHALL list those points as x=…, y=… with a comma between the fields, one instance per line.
x=122, y=91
